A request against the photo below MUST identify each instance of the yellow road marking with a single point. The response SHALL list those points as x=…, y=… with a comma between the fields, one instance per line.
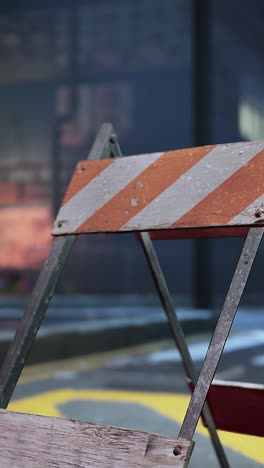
x=172, y=406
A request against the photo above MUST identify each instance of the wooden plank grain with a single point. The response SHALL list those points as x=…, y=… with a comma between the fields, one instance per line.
x=30, y=441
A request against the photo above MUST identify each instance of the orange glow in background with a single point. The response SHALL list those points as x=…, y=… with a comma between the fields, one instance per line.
x=24, y=236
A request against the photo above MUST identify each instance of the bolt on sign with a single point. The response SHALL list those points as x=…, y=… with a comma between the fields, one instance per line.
x=220, y=185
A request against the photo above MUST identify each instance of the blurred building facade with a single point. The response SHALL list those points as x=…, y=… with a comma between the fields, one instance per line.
x=67, y=67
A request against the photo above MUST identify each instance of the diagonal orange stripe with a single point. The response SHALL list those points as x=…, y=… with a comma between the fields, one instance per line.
x=230, y=198
x=84, y=173
x=143, y=189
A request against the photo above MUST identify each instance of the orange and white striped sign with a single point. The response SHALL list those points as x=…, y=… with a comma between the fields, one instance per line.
x=219, y=185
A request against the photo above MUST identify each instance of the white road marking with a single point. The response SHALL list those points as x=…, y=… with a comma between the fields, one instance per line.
x=198, y=350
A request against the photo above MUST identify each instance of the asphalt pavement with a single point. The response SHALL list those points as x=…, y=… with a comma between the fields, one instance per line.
x=75, y=325
x=143, y=386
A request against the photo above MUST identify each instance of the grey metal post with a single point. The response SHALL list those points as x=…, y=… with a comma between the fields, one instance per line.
x=221, y=332
x=176, y=329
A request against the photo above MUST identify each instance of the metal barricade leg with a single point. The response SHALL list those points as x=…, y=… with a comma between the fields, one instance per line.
x=105, y=146
x=179, y=338
x=176, y=328
x=221, y=332
x=28, y=327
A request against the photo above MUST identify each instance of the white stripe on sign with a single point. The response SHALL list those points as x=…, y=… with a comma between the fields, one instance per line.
x=245, y=217
x=198, y=350
x=101, y=189
x=193, y=186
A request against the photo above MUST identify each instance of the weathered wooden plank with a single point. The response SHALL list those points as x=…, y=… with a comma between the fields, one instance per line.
x=195, y=188
x=237, y=407
x=30, y=441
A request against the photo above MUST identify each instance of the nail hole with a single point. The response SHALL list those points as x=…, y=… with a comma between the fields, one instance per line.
x=246, y=263
x=258, y=213
x=177, y=451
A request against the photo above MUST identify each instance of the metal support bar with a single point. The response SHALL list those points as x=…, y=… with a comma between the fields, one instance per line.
x=221, y=332
x=175, y=326
x=178, y=335
x=28, y=327
x=105, y=146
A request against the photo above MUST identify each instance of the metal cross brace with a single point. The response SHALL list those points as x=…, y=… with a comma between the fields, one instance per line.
x=221, y=332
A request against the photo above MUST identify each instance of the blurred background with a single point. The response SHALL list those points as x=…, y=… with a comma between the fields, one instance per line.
x=167, y=74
